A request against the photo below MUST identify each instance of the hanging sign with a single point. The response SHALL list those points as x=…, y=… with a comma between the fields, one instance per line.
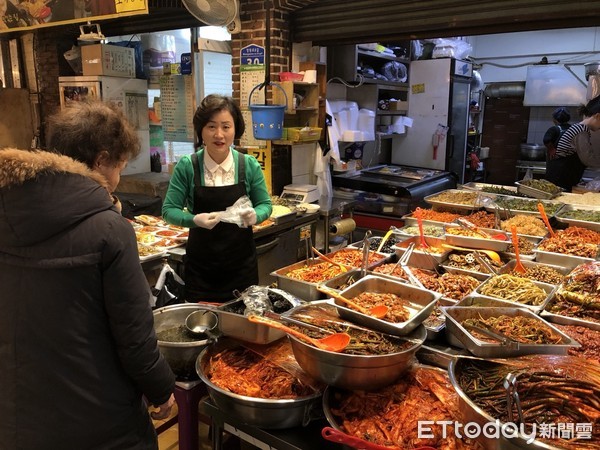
x=252, y=55
x=25, y=15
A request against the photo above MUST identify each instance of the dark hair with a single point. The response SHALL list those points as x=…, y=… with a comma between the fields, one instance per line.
x=592, y=107
x=215, y=103
x=561, y=115
x=85, y=128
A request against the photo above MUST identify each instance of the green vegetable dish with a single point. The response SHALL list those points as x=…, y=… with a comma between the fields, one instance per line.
x=519, y=204
x=542, y=185
x=580, y=214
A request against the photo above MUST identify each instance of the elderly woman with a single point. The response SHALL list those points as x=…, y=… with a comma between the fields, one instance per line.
x=77, y=341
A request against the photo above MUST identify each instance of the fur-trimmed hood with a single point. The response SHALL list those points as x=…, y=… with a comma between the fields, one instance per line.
x=43, y=193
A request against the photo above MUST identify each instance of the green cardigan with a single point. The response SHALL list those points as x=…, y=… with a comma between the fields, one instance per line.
x=180, y=193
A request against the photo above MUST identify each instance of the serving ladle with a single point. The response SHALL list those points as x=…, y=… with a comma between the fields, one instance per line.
x=377, y=311
x=519, y=267
x=542, y=211
x=335, y=342
x=198, y=324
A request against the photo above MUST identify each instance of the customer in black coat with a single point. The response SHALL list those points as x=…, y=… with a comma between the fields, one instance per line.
x=77, y=340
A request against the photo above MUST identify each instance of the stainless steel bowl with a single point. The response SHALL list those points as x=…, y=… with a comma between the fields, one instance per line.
x=181, y=356
x=357, y=371
x=258, y=412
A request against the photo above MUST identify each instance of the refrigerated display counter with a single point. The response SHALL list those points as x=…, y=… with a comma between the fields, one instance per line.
x=391, y=190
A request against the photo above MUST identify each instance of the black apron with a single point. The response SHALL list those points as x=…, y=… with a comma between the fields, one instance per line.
x=565, y=172
x=221, y=260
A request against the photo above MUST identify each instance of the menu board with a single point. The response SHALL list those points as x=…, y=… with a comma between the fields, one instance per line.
x=177, y=107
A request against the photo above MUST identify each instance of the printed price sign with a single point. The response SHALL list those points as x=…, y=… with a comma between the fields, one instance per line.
x=129, y=5
x=417, y=88
x=252, y=54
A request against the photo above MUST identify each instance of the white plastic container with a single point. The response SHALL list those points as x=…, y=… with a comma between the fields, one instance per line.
x=366, y=123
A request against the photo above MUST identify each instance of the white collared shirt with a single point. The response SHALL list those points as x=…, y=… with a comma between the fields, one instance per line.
x=219, y=174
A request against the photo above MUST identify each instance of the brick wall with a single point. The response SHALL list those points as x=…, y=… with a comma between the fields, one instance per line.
x=253, y=19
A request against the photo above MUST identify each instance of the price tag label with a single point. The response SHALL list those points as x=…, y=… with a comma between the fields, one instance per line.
x=130, y=5
x=417, y=88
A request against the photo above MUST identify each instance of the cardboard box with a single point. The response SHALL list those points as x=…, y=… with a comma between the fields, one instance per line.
x=109, y=60
x=398, y=105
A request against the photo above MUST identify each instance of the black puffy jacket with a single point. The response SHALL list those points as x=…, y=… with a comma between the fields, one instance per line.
x=77, y=343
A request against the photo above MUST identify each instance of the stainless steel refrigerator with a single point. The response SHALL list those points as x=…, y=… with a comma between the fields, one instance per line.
x=438, y=104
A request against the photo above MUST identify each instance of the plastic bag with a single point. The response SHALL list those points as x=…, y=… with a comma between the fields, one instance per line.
x=168, y=290
x=233, y=213
x=455, y=48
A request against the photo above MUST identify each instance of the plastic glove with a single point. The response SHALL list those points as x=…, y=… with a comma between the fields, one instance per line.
x=207, y=220
x=248, y=217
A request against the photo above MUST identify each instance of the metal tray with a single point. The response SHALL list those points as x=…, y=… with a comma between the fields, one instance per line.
x=404, y=235
x=420, y=258
x=456, y=314
x=339, y=283
x=481, y=186
x=421, y=302
x=410, y=219
x=559, y=259
x=301, y=289
x=475, y=242
x=509, y=266
x=434, y=332
x=562, y=212
x=535, y=193
x=548, y=288
x=566, y=320
x=382, y=256
x=477, y=199
x=533, y=212
x=239, y=327
x=284, y=218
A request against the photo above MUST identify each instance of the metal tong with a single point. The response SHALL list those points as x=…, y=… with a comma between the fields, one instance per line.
x=512, y=397
x=403, y=261
x=365, y=258
x=484, y=262
x=504, y=340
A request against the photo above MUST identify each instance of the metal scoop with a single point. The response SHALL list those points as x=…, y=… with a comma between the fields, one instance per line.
x=519, y=267
x=377, y=311
x=199, y=323
x=335, y=342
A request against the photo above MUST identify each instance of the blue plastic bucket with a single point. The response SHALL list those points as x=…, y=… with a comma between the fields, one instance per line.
x=267, y=120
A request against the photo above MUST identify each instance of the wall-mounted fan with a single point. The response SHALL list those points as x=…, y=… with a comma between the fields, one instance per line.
x=219, y=13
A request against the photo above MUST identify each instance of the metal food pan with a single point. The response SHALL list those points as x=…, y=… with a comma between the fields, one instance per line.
x=419, y=258
x=382, y=256
x=404, y=235
x=566, y=320
x=410, y=219
x=535, y=193
x=453, y=269
x=434, y=332
x=301, y=289
x=421, y=303
x=341, y=281
x=506, y=214
x=560, y=217
x=239, y=327
x=548, y=288
x=481, y=186
x=457, y=314
x=477, y=203
x=477, y=243
x=284, y=218
x=559, y=259
x=509, y=266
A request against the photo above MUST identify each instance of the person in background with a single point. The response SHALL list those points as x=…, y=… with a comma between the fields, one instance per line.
x=220, y=257
x=565, y=169
x=560, y=117
x=77, y=342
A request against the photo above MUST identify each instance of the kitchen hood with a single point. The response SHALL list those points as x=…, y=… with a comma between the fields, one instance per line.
x=553, y=85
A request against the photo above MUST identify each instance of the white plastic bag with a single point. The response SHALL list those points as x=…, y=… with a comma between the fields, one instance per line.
x=232, y=214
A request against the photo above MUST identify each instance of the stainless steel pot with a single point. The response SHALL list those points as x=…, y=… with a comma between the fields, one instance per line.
x=533, y=152
x=357, y=371
x=258, y=412
x=181, y=356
